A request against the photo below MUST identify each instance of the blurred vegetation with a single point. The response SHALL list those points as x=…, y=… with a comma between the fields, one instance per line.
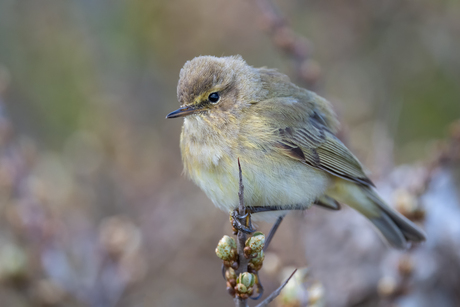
x=89, y=165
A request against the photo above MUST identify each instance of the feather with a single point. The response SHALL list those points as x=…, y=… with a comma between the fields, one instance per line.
x=321, y=149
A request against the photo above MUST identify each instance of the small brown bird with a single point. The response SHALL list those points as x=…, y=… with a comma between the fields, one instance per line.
x=284, y=138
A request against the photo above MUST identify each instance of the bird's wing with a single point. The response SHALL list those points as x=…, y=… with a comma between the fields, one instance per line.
x=313, y=143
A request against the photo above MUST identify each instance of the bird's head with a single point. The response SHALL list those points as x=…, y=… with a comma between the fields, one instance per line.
x=210, y=84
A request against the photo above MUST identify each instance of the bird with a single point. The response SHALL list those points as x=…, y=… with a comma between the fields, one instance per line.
x=284, y=137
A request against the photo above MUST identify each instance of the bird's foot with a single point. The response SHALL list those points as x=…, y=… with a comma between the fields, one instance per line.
x=237, y=225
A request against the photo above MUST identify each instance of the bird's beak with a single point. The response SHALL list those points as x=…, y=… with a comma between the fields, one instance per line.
x=182, y=111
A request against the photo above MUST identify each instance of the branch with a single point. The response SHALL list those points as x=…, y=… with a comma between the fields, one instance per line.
x=241, y=239
x=275, y=293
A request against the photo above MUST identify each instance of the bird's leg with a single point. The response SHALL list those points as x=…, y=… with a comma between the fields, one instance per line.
x=236, y=221
x=237, y=225
x=272, y=232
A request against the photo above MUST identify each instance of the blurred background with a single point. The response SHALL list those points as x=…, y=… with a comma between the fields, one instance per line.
x=94, y=210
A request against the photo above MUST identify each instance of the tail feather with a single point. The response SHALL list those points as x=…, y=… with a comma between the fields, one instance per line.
x=396, y=228
x=390, y=230
x=410, y=231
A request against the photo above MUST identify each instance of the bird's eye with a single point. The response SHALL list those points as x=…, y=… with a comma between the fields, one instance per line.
x=214, y=97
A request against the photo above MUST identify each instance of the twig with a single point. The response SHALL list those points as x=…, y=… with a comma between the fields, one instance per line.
x=275, y=293
x=272, y=232
x=241, y=239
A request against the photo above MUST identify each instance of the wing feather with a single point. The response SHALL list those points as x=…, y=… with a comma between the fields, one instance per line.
x=302, y=126
x=323, y=150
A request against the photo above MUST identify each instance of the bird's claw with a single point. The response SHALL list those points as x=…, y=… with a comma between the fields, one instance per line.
x=238, y=226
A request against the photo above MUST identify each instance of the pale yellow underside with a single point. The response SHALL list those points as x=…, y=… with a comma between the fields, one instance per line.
x=268, y=180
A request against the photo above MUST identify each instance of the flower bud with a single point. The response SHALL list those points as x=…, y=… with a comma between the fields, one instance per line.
x=258, y=233
x=387, y=286
x=230, y=274
x=231, y=291
x=316, y=294
x=240, y=288
x=256, y=262
x=259, y=258
x=247, y=279
x=406, y=266
x=244, y=296
x=256, y=242
x=226, y=248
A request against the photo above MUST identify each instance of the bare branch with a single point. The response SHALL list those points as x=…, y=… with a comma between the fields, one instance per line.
x=275, y=293
x=242, y=208
x=241, y=239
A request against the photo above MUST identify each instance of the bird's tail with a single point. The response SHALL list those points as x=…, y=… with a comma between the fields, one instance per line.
x=396, y=228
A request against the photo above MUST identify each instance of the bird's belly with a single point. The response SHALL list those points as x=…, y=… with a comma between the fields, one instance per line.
x=268, y=181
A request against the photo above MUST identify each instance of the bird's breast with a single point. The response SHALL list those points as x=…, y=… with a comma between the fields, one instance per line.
x=211, y=160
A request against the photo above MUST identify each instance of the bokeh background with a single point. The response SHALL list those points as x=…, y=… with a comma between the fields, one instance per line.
x=94, y=210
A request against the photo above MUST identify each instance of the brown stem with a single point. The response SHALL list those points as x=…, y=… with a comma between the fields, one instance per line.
x=241, y=239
